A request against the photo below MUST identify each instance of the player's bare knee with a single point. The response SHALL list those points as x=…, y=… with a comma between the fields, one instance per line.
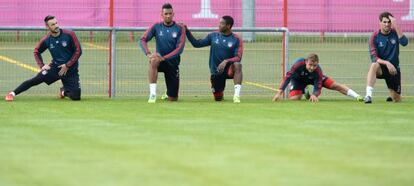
x=154, y=63
x=237, y=67
x=396, y=98
x=294, y=98
x=375, y=67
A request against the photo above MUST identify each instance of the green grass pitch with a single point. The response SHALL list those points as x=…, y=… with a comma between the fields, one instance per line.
x=47, y=141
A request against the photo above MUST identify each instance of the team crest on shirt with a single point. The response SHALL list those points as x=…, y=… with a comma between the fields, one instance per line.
x=174, y=34
x=393, y=41
x=64, y=43
x=381, y=44
x=161, y=34
x=217, y=41
x=230, y=44
x=51, y=45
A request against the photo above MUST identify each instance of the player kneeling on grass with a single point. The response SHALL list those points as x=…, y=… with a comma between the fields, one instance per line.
x=384, y=48
x=307, y=72
x=65, y=50
x=170, y=41
x=226, y=50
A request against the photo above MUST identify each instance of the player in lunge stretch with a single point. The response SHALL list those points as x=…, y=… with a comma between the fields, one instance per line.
x=65, y=50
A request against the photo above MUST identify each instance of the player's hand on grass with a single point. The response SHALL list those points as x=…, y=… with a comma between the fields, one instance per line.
x=63, y=70
x=313, y=98
x=221, y=66
x=278, y=96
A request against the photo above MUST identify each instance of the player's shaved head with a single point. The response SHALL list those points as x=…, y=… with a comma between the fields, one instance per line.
x=167, y=6
x=48, y=17
x=229, y=20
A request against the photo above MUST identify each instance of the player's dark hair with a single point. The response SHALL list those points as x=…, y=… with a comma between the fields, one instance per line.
x=313, y=57
x=229, y=20
x=385, y=14
x=48, y=17
x=167, y=6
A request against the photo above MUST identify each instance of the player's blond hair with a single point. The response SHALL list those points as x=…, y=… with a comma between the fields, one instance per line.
x=313, y=57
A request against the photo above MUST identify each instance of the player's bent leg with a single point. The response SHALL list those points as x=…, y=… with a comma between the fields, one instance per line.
x=396, y=97
x=218, y=96
x=238, y=78
x=153, y=71
x=373, y=72
x=71, y=85
x=238, y=73
x=73, y=94
x=218, y=84
x=172, y=81
x=295, y=95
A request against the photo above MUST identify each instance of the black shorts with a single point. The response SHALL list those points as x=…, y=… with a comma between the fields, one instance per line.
x=218, y=81
x=393, y=82
x=172, y=77
x=297, y=85
x=70, y=81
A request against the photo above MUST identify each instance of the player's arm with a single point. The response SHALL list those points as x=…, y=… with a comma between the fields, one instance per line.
x=238, y=53
x=284, y=83
x=148, y=35
x=179, y=46
x=317, y=85
x=401, y=37
x=198, y=43
x=78, y=50
x=38, y=50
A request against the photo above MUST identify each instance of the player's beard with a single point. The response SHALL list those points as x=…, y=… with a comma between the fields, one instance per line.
x=224, y=30
x=55, y=31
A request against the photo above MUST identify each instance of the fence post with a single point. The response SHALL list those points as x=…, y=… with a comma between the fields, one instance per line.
x=248, y=8
x=113, y=64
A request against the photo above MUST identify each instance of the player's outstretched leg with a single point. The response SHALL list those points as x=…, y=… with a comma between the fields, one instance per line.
x=25, y=86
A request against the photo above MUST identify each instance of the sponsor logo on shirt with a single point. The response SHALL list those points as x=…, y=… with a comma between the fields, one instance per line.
x=381, y=44
x=51, y=45
x=161, y=34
